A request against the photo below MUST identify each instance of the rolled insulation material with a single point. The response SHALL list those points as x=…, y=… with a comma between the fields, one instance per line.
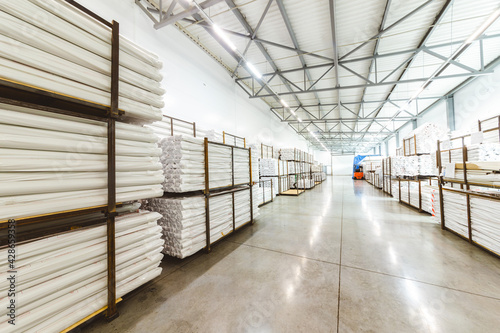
x=288, y=154
x=54, y=163
x=69, y=58
x=423, y=140
x=242, y=169
x=59, y=273
x=485, y=222
x=455, y=212
x=184, y=219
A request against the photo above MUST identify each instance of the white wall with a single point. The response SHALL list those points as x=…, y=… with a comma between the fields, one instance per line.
x=198, y=88
x=478, y=100
x=342, y=165
x=436, y=115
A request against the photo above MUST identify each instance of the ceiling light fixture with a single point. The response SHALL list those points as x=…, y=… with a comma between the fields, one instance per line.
x=285, y=104
x=223, y=36
x=483, y=26
x=254, y=70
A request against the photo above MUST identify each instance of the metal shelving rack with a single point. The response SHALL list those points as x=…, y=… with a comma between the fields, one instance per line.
x=174, y=120
x=231, y=188
x=298, y=158
x=23, y=95
x=464, y=186
x=264, y=202
x=387, y=174
x=235, y=139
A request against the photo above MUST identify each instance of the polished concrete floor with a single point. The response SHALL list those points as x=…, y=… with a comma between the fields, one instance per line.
x=342, y=257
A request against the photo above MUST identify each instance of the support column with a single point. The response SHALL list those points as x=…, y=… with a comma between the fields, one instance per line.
x=450, y=112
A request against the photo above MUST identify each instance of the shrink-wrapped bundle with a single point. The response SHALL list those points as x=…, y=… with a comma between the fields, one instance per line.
x=269, y=167
x=62, y=279
x=414, y=194
x=485, y=222
x=455, y=212
x=395, y=189
x=51, y=162
x=293, y=167
x=184, y=219
x=183, y=224
x=267, y=185
x=426, y=166
x=404, y=192
x=241, y=166
x=183, y=161
x=316, y=168
x=305, y=183
x=423, y=140
x=288, y=154
x=242, y=208
x=72, y=56
x=484, y=152
x=428, y=197
x=255, y=166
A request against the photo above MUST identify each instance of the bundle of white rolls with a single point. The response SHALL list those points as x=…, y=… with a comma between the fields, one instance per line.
x=423, y=140
x=485, y=222
x=288, y=154
x=72, y=56
x=51, y=162
x=63, y=278
x=242, y=169
x=183, y=160
x=269, y=167
x=455, y=212
x=184, y=219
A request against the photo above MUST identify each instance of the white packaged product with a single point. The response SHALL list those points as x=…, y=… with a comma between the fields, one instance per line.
x=62, y=279
x=51, y=162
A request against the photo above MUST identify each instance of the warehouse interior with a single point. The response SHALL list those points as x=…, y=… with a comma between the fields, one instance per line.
x=250, y=165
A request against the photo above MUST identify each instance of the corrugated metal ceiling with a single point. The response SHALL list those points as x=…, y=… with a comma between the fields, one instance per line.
x=379, y=44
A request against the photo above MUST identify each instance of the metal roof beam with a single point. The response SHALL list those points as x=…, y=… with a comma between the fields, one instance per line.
x=355, y=103
x=262, y=41
x=444, y=77
x=167, y=20
x=249, y=29
x=331, y=120
x=439, y=17
x=262, y=17
x=289, y=28
x=380, y=33
x=373, y=62
x=412, y=53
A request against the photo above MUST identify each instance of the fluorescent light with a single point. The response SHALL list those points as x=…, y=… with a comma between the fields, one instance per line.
x=417, y=93
x=484, y=26
x=224, y=37
x=284, y=103
x=292, y=112
x=299, y=119
x=254, y=70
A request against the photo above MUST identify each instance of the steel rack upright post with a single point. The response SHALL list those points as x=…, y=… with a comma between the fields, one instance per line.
x=267, y=152
x=298, y=174
x=30, y=96
x=234, y=138
x=465, y=187
x=172, y=124
x=229, y=189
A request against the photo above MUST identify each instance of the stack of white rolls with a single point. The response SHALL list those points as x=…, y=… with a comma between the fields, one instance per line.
x=183, y=160
x=63, y=278
x=51, y=162
x=72, y=56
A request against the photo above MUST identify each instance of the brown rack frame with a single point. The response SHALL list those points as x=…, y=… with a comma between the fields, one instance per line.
x=15, y=93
